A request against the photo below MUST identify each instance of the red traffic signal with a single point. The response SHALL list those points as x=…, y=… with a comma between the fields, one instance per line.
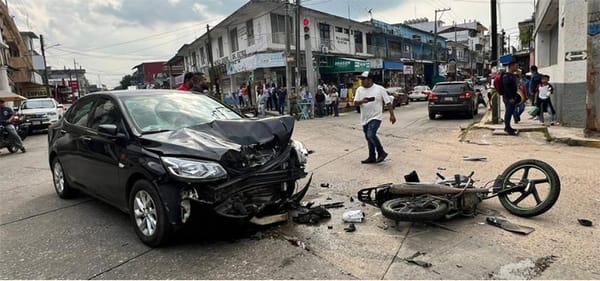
x=306, y=22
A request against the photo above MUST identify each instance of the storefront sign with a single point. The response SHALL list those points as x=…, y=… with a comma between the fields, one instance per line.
x=375, y=63
x=408, y=69
x=346, y=65
x=250, y=63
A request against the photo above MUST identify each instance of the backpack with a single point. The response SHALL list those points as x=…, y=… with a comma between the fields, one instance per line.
x=498, y=85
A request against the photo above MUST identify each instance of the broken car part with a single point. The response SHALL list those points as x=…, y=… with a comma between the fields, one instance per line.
x=350, y=228
x=353, y=216
x=509, y=226
x=585, y=222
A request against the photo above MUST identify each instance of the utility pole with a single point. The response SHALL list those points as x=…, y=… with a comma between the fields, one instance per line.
x=212, y=73
x=494, y=61
x=297, y=21
x=45, y=70
x=76, y=79
x=288, y=70
x=435, y=66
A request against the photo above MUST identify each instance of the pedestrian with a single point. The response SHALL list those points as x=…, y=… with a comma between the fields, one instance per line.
x=544, y=91
x=371, y=98
x=274, y=98
x=328, y=109
x=509, y=95
x=199, y=83
x=320, y=102
x=281, y=98
x=245, y=94
x=335, y=101
x=536, y=80
x=522, y=92
x=262, y=99
x=187, y=82
x=6, y=116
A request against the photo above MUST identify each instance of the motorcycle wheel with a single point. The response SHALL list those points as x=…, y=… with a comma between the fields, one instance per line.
x=420, y=208
x=539, y=193
x=12, y=148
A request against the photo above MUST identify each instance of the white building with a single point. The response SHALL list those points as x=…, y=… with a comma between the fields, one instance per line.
x=562, y=52
x=249, y=45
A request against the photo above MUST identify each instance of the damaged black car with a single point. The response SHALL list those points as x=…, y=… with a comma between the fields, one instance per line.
x=156, y=154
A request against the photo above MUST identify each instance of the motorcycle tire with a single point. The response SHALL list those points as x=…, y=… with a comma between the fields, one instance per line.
x=397, y=209
x=542, y=205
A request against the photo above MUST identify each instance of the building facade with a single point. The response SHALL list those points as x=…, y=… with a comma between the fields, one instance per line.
x=562, y=52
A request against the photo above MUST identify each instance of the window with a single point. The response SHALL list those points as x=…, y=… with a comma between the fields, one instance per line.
x=325, y=34
x=202, y=56
x=250, y=32
x=233, y=39
x=79, y=114
x=105, y=112
x=346, y=31
x=358, y=41
x=194, y=60
x=220, y=46
x=278, y=28
x=338, y=29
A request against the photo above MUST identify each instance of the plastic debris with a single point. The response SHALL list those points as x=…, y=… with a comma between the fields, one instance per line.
x=350, y=228
x=353, y=216
x=585, y=222
x=351, y=199
x=474, y=158
x=310, y=215
x=324, y=184
x=333, y=205
x=412, y=260
x=509, y=226
x=330, y=227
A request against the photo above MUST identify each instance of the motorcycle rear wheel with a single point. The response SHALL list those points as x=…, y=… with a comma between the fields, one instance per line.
x=529, y=200
x=420, y=208
x=12, y=148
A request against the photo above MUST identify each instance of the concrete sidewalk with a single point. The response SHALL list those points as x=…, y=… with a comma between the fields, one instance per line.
x=569, y=135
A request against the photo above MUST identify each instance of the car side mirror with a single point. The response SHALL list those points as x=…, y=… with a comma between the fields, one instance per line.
x=61, y=106
x=111, y=131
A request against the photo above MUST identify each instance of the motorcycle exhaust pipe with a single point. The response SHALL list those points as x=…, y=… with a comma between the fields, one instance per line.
x=434, y=189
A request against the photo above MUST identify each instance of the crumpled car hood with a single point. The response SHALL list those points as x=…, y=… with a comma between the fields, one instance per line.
x=227, y=141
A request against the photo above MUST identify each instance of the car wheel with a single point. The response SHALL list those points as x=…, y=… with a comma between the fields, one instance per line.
x=61, y=186
x=148, y=214
x=431, y=116
x=470, y=113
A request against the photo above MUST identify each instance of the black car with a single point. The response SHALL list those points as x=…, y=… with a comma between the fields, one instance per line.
x=452, y=97
x=157, y=154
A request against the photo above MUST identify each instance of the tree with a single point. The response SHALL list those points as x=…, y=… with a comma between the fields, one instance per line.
x=126, y=81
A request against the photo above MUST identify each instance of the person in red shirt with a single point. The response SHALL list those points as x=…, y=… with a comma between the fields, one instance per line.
x=188, y=82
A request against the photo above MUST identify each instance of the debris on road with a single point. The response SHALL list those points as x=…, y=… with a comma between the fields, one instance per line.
x=350, y=228
x=474, y=158
x=296, y=242
x=310, y=215
x=524, y=270
x=441, y=168
x=333, y=205
x=585, y=222
x=329, y=199
x=325, y=185
x=412, y=260
x=330, y=227
x=353, y=216
x=351, y=199
x=384, y=226
x=509, y=226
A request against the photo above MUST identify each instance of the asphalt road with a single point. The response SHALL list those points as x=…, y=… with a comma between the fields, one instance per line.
x=44, y=237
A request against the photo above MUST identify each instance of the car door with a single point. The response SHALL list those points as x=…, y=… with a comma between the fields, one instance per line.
x=102, y=152
x=68, y=141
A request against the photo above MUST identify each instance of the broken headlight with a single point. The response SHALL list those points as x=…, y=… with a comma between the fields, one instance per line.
x=301, y=151
x=194, y=169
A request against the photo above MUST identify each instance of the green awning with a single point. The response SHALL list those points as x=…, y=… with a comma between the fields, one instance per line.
x=344, y=65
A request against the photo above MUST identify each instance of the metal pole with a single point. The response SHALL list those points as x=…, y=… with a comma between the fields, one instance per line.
x=297, y=21
x=493, y=60
x=45, y=70
x=435, y=70
x=76, y=79
x=288, y=70
x=212, y=73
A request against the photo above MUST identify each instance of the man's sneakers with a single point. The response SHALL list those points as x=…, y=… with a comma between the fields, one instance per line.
x=381, y=157
x=511, y=131
x=368, y=161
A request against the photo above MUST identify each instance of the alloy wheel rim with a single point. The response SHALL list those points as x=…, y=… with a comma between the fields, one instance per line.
x=144, y=211
x=59, y=178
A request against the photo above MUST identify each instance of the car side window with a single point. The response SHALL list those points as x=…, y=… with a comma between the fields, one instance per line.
x=105, y=112
x=79, y=114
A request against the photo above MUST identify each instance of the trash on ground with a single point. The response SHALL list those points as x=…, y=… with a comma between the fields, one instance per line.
x=350, y=228
x=353, y=216
x=441, y=168
x=384, y=226
x=474, y=158
x=310, y=151
x=412, y=260
x=324, y=184
x=310, y=215
x=509, y=226
x=330, y=227
x=296, y=242
x=267, y=220
x=585, y=222
x=351, y=199
x=329, y=198
x=459, y=266
x=333, y=205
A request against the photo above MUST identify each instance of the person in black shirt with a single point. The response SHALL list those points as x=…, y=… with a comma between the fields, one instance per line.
x=510, y=95
x=320, y=102
x=6, y=113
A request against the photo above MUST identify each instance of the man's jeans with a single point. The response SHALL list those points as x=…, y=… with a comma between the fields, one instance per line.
x=546, y=105
x=508, y=113
x=372, y=140
x=14, y=135
x=519, y=109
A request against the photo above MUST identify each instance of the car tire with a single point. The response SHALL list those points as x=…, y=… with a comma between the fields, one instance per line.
x=59, y=179
x=431, y=116
x=148, y=215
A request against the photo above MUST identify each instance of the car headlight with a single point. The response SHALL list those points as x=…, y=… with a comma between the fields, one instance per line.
x=51, y=113
x=301, y=151
x=194, y=169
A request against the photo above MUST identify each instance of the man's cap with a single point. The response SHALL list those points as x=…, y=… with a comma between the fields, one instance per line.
x=366, y=74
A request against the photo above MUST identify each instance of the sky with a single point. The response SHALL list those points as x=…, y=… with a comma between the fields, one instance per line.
x=108, y=38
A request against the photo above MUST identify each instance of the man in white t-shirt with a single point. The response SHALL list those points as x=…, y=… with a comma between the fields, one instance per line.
x=371, y=98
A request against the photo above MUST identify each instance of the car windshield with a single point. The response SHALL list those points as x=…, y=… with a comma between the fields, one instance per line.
x=159, y=113
x=32, y=104
x=450, y=88
x=421, y=88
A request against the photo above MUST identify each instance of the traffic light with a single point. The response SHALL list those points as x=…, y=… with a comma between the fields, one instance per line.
x=306, y=23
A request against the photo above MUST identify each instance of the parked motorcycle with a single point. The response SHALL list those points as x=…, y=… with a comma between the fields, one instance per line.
x=526, y=188
x=21, y=125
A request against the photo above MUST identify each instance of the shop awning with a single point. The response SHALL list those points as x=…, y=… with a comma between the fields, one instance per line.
x=344, y=65
x=392, y=65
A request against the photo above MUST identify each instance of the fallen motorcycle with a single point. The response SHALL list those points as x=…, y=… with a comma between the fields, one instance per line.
x=526, y=188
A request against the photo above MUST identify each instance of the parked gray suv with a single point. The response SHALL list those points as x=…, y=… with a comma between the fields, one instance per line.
x=452, y=97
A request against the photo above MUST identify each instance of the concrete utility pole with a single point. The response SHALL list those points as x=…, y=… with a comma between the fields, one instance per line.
x=494, y=60
x=45, y=70
x=297, y=21
x=435, y=66
x=77, y=79
x=212, y=73
x=288, y=69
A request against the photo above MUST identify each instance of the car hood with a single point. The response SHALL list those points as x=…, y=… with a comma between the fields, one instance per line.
x=37, y=110
x=236, y=143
